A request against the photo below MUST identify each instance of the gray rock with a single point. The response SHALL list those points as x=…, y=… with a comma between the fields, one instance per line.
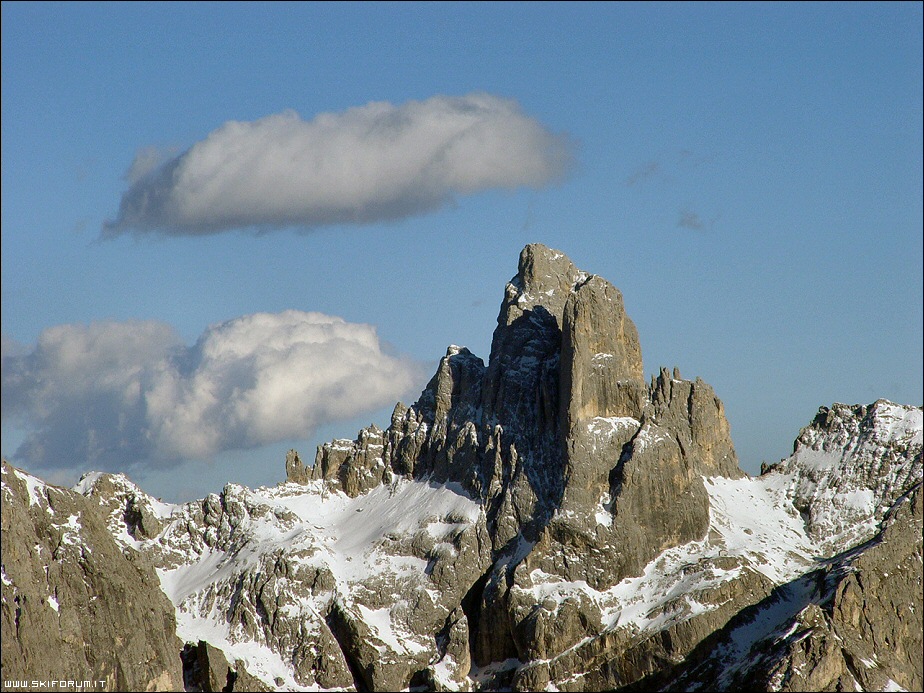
x=296, y=471
x=352, y=466
x=658, y=502
x=601, y=359
x=205, y=668
x=695, y=417
x=74, y=605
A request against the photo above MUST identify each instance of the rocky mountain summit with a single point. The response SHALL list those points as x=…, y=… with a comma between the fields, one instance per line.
x=548, y=521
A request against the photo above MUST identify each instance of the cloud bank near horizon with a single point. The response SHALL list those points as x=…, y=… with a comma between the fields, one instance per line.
x=120, y=395
x=368, y=164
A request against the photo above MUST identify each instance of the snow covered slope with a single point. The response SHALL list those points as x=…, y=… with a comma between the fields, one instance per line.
x=257, y=573
x=849, y=466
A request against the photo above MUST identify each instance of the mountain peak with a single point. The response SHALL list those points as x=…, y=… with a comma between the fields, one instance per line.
x=547, y=521
x=545, y=277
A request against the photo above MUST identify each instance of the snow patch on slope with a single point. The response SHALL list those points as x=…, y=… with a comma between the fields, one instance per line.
x=755, y=520
x=257, y=658
x=848, y=468
x=316, y=527
x=37, y=489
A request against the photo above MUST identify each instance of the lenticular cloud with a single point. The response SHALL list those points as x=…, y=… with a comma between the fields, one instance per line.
x=373, y=163
x=111, y=395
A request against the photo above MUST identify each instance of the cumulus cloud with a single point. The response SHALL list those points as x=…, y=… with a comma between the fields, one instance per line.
x=372, y=163
x=113, y=395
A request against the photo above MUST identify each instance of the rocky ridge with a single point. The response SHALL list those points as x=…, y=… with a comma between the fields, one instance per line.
x=548, y=521
x=849, y=625
x=75, y=606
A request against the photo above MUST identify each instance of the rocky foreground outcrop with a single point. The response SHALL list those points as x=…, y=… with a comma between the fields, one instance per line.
x=550, y=521
x=74, y=605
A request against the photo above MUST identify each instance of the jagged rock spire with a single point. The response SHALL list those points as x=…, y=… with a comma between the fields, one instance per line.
x=544, y=277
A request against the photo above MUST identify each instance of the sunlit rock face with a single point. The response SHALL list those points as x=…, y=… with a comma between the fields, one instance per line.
x=74, y=604
x=549, y=520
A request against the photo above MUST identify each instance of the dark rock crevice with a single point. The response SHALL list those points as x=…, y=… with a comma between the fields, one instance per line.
x=338, y=622
x=206, y=670
x=472, y=607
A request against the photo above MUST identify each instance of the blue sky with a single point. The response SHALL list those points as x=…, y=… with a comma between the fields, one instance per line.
x=749, y=176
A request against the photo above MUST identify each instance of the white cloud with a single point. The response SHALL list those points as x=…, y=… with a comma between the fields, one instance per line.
x=114, y=395
x=146, y=161
x=372, y=163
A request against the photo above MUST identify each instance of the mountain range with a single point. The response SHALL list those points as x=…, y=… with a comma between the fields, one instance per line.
x=547, y=521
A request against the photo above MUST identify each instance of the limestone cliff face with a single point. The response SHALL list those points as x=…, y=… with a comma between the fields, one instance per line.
x=74, y=606
x=601, y=359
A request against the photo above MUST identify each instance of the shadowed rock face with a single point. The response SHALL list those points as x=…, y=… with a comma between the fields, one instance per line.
x=74, y=606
